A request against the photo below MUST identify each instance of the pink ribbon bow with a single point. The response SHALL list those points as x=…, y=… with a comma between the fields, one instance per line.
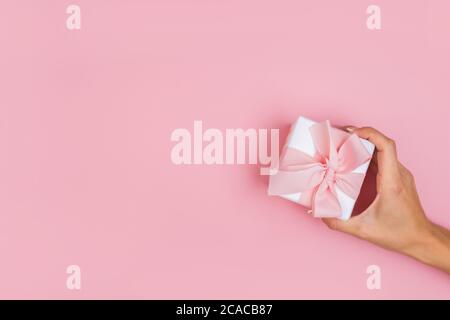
x=316, y=178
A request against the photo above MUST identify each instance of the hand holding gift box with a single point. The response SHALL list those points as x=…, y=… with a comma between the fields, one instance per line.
x=322, y=168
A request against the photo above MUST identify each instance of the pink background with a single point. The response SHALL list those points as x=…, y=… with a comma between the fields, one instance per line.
x=85, y=124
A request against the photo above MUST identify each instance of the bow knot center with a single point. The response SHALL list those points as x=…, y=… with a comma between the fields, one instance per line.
x=330, y=174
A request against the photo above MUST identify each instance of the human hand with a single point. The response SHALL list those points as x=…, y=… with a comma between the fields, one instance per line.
x=396, y=220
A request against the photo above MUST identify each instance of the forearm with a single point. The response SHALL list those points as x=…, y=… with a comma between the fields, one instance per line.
x=434, y=248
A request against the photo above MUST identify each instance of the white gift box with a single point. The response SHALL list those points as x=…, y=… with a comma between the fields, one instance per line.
x=300, y=138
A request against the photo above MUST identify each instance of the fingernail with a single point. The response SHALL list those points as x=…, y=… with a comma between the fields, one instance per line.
x=350, y=129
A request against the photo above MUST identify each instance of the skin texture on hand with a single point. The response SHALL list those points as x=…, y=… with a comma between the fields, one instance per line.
x=396, y=220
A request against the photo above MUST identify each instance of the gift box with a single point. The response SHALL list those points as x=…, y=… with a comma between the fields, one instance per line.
x=322, y=168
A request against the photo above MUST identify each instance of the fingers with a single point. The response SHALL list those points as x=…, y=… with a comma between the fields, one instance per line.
x=358, y=226
x=380, y=141
x=386, y=153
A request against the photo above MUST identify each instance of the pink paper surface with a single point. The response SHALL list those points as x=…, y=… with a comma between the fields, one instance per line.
x=85, y=123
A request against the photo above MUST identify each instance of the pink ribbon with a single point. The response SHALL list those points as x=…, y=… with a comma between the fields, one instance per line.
x=316, y=178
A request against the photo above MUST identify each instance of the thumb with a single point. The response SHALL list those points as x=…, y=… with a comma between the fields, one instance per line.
x=350, y=226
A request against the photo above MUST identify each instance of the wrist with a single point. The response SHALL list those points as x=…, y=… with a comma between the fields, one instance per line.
x=432, y=247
